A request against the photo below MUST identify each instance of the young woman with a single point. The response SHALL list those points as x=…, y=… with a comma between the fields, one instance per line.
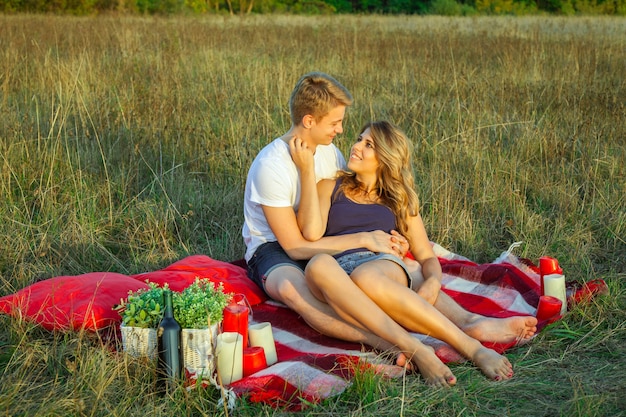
x=373, y=290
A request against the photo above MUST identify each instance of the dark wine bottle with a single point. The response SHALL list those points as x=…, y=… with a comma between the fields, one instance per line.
x=170, y=362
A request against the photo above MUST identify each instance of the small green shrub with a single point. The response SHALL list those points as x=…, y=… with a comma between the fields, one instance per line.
x=199, y=302
x=192, y=307
x=142, y=308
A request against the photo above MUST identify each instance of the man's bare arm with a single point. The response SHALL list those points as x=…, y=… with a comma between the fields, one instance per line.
x=283, y=222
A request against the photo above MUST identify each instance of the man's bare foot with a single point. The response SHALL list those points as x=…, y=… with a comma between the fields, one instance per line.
x=404, y=362
x=492, y=364
x=434, y=372
x=506, y=330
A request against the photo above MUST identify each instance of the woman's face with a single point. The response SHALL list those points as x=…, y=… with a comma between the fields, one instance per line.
x=363, y=159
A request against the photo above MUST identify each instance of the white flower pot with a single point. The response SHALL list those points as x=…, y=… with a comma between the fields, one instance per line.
x=139, y=342
x=198, y=347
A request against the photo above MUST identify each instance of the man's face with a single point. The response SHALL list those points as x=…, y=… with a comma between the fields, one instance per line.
x=324, y=131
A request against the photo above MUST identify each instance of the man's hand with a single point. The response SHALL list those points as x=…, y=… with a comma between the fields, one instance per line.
x=379, y=241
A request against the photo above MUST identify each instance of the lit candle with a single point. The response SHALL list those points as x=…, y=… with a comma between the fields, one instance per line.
x=261, y=335
x=229, y=352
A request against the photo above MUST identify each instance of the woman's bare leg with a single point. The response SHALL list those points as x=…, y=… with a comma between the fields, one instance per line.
x=287, y=285
x=329, y=283
x=414, y=313
x=484, y=329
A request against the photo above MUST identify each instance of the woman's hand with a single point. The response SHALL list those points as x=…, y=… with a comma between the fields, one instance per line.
x=401, y=243
x=309, y=215
x=301, y=154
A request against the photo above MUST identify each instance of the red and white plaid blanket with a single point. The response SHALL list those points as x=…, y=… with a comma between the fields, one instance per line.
x=310, y=367
x=313, y=367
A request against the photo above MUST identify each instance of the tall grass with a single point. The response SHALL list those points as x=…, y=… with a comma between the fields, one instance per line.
x=125, y=141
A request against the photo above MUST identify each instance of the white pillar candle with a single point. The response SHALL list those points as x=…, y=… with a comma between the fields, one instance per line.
x=229, y=352
x=261, y=335
x=554, y=285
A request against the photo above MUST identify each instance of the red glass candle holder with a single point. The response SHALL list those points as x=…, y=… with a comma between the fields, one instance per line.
x=236, y=318
x=253, y=360
x=549, y=308
x=547, y=266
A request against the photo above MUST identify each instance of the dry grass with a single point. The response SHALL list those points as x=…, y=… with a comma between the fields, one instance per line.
x=125, y=141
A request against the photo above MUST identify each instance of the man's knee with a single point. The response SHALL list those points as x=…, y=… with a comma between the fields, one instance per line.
x=285, y=284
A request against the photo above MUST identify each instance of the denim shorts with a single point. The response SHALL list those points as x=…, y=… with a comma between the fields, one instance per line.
x=352, y=260
x=268, y=257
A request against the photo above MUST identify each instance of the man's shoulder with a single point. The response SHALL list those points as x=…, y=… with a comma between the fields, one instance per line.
x=276, y=148
x=329, y=155
x=273, y=159
x=329, y=148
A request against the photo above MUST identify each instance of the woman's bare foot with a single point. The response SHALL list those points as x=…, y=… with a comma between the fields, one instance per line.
x=434, y=372
x=492, y=364
x=505, y=330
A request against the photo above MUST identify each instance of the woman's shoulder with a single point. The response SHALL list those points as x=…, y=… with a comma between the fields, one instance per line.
x=327, y=184
x=325, y=187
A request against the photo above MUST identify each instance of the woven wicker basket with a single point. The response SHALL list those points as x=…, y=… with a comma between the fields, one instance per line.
x=198, y=350
x=139, y=342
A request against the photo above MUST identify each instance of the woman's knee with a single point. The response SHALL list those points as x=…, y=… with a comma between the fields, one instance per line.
x=366, y=277
x=320, y=261
x=374, y=277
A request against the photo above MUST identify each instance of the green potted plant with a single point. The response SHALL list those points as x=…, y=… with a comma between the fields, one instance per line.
x=199, y=311
x=141, y=313
x=200, y=305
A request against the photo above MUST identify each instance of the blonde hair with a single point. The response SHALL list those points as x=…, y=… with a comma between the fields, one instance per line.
x=317, y=94
x=395, y=185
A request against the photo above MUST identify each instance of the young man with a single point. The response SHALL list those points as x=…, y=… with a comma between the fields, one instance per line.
x=276, y=251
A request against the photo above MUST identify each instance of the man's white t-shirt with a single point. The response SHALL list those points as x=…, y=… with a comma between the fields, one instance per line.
x=273, y=181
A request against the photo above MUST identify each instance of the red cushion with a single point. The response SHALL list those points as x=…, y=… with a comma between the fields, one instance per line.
x=182, y=273
x=72, y=302
x=87, y=301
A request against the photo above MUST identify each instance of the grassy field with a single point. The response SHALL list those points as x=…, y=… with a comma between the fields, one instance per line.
x=125, y=141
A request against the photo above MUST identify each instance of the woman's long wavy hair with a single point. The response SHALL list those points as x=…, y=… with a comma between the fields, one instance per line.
x=395, y=186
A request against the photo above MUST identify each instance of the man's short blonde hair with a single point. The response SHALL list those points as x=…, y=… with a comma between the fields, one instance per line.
x=317, y=93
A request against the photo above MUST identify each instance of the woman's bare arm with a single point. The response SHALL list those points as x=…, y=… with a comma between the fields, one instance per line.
x=423, y=253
